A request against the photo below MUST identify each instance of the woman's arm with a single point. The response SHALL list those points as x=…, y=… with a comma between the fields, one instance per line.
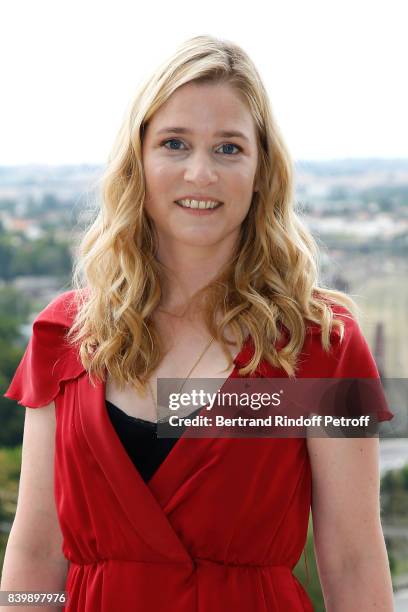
x=34, y=560
x=349, y=543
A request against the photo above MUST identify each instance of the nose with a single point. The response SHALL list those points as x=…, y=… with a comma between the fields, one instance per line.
x=200, y=170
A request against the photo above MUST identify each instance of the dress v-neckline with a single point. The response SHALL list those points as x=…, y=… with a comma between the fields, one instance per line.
x=101, y=424
x=147, y=505
x=163, y=467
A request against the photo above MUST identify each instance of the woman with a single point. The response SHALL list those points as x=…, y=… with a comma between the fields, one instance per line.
x=196, y=249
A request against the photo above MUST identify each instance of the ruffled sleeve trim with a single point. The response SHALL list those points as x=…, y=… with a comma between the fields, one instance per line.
x=49, y=360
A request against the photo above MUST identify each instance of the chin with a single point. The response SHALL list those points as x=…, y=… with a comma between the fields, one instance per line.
x=201, y=234
x=198, y=240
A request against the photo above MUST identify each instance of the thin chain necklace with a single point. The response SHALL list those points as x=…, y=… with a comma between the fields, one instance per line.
x=185, y=380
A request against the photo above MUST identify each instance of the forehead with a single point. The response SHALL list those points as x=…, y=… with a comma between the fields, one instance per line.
x=203, y=106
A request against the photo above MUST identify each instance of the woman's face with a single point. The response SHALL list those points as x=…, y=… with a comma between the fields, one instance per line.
x=192, y=151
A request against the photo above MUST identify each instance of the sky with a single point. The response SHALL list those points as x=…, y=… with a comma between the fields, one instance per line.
x=334, y=71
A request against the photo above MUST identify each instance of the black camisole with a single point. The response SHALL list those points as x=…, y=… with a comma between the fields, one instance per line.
x=139, y=438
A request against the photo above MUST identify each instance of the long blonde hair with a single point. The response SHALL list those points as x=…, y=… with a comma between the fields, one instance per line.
x=271, y=279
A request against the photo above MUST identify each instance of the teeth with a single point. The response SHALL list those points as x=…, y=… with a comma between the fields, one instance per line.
x=197, y=204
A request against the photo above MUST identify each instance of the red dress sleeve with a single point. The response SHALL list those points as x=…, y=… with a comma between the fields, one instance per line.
x=352, y=358
x=48, y=360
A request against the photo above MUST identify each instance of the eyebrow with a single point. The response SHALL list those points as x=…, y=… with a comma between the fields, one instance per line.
x=223, y=133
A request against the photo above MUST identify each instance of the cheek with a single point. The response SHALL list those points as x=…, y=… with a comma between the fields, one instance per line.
x=241, y=188
x=156, y=182
x=159, y=190
x=160, y=182
x=247, y=175
x=241, y=177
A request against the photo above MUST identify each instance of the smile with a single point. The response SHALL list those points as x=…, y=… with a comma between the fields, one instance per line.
x=199, y=204
x=198, y=207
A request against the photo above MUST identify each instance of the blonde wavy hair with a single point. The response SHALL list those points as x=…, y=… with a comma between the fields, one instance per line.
x=271, y=279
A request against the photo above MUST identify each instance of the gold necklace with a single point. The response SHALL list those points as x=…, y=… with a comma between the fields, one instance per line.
x=185, y=380
x=171, y=314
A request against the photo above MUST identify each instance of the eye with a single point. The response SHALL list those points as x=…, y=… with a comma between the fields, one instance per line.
x=229, y=144
x=176, y=140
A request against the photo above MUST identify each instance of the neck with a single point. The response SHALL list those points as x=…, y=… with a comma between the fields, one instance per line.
x=188, y=269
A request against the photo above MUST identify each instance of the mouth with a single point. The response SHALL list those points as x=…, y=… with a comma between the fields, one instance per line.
x=198, y=207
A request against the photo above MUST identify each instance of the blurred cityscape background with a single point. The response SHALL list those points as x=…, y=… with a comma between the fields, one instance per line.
x=356, y=209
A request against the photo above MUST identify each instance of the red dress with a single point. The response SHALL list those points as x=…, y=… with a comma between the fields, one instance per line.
x=222, y=522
